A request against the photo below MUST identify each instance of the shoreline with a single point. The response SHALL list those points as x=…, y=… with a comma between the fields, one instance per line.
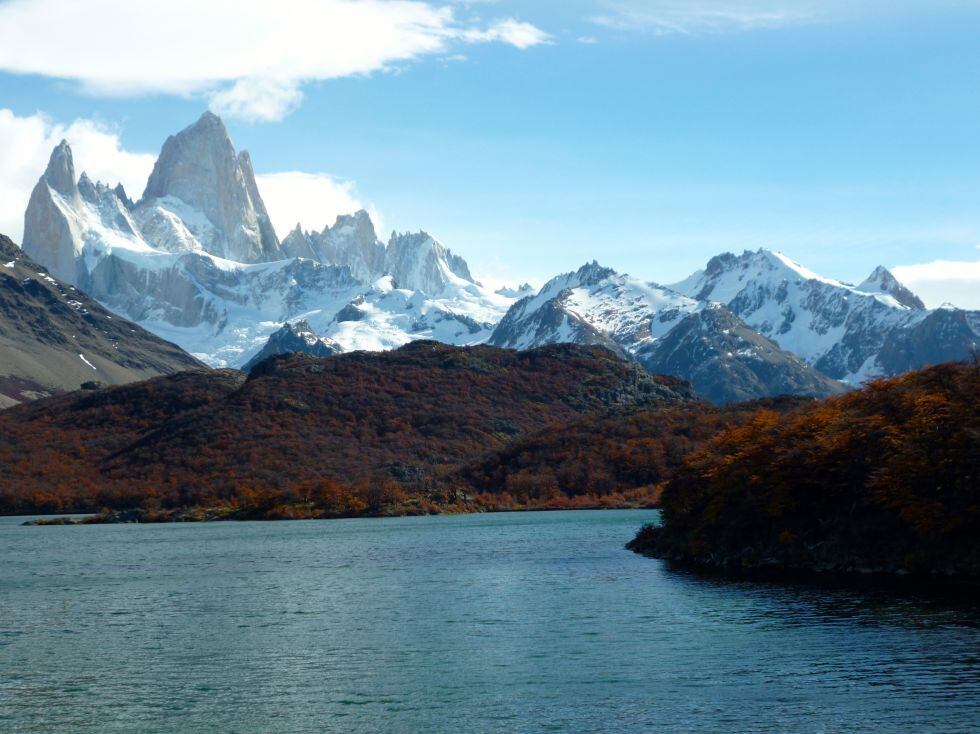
x=129, y=517
x=932, y=584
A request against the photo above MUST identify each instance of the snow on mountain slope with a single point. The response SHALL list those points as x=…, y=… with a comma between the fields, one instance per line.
x=199, y=168
x=351, y=242
x=593, y=305
x=882, y=281
x=840, y=329
x=161, y=262
x=386, y=317
x=197, y=262
x=664, y=331
x=297, y=337
x=726, y=361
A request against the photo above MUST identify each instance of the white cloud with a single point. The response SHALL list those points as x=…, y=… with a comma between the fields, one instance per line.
x=26, y=144
x=312, y=199
x=728, y=16
x=257, y=100
x=943, y=281
x=514, y=32
x=250, y=57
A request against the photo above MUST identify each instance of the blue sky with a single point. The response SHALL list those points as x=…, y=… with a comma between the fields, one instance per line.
x=532, y=137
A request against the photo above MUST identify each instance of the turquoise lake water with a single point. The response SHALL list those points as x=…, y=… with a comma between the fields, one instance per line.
x=537, y=622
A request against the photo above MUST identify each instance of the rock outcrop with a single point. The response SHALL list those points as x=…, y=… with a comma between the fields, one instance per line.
x=295, y=338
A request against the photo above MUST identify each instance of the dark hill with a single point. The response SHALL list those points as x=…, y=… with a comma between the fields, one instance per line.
x=54, y=338
x=301, y=425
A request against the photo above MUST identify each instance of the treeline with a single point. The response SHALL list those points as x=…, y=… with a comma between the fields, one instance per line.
x=882, y=480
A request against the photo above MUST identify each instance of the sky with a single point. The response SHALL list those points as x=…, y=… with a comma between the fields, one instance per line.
x=532, y=137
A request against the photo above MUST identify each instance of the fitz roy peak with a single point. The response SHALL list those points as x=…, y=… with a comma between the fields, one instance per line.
x=197, y=262
x=198, y=168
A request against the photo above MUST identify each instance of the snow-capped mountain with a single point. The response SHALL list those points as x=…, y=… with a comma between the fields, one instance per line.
x=593, y=305
x=524, y=289
x=196, y=259
x=201, y=183
x=663, y=330
x=351, y=242
x=847, y=332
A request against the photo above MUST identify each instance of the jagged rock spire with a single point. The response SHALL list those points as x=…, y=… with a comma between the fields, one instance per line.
x=200, y=167
x=48, y=235
x=60, y=173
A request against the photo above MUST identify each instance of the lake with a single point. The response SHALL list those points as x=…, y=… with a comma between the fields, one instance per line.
x=530, y=622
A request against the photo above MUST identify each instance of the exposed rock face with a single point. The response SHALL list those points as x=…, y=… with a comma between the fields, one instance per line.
x=54, y=338
x=297, y=337
x=199, y=167
x=49, y=235
x=196, y=260
x=594, y=305
x=727, y=362
x=60, y=173
x=351, y=242
x=420, y=262
x=944, y=335
x=416, y=261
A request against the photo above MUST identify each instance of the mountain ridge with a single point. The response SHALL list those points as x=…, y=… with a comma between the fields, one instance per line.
x=54, y=338
x=196, y=261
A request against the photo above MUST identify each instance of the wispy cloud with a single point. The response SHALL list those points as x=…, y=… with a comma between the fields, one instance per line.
x=251, y=57
x=732, y=16
x=698, y=16
x=516, y=33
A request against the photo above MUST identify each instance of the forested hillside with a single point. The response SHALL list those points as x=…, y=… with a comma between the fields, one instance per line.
x=354, y=433
x=882, y=480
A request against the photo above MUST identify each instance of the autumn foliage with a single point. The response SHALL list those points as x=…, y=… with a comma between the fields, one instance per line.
x=885, y=479
x=361, y=433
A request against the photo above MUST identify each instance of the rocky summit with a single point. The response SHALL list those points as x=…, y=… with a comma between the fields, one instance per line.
x=199, y=168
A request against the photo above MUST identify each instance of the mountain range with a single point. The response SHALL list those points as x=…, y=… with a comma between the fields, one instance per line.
x=196, y=261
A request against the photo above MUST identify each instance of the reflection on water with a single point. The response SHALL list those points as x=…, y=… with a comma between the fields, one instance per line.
x=484, y=623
